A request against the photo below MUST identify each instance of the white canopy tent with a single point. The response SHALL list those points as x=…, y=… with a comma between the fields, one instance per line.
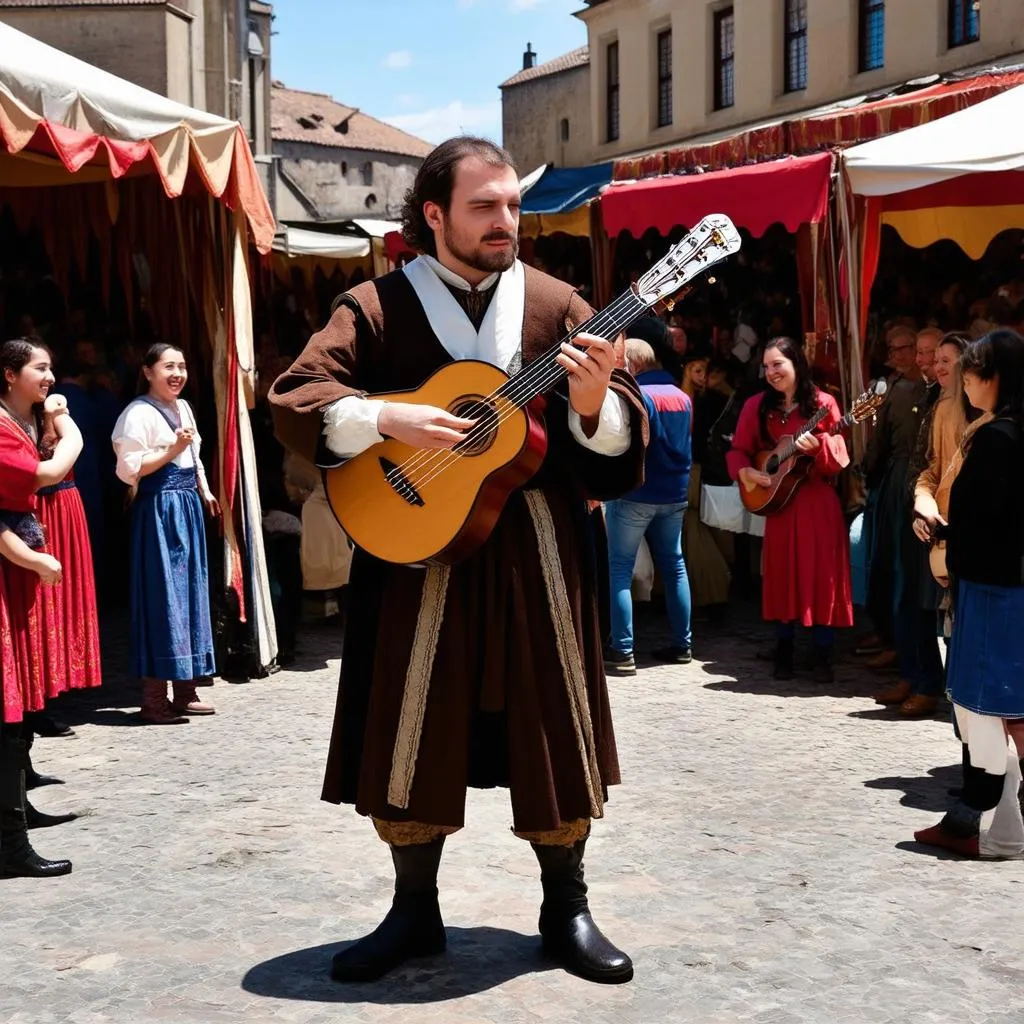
x=987, y=137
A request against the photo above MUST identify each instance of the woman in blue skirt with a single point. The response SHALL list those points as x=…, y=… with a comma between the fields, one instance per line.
x=157, y=446
x=985, y=558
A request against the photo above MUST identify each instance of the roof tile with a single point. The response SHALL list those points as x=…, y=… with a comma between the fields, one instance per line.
x=577, y=58
x=316, y=118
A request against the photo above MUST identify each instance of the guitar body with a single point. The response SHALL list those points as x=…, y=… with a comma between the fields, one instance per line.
x=411, y=506
x=786, y=480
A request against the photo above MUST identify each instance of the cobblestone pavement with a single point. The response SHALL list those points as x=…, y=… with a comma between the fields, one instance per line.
x=757, y=863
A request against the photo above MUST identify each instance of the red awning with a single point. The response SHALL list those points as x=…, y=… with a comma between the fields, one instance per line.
x=792, y=191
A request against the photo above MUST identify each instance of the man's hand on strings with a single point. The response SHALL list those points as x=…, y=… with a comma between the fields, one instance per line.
x=422, y=426
x=589, y=373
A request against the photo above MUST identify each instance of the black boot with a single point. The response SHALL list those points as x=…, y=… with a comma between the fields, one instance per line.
x=783, y=659
x=412, y=927
x=42, y=724
x=39, y=819
x=33, y=780
x=569, y=933
x=823, y=665
x=17, y=858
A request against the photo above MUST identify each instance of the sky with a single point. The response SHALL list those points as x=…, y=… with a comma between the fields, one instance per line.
x=430, y=67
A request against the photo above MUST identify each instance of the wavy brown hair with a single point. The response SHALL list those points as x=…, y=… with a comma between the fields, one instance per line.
x=435, y=181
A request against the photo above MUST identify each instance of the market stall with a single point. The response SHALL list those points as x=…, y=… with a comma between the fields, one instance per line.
x=168, y=197
x=960, y=178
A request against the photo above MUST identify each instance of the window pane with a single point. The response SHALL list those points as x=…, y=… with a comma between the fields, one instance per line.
x=796, y=45
x=724, y=54
x=872, y=34
x=664, y=78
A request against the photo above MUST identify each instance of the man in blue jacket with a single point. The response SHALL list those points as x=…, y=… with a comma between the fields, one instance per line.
x=655, y=509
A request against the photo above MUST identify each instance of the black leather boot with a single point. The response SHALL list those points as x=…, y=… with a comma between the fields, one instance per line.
x=823, y=672
x=783, y=659
x=569, y=933
x=17, y=858
x=39, y=819
x=33, y=780
x=412, y=927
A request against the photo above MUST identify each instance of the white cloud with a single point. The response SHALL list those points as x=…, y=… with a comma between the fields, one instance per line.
x=407, y=100
x=440, y=123
x=398, y=59
x=518, y=6
x=466, y=4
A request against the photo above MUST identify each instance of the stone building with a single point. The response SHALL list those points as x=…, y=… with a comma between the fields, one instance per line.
x=663, y=72
x=209, y=54
x=337, y=163
x=545, y=111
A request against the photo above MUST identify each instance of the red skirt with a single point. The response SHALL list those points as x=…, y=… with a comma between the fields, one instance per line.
x=28, y=651
x=807, y=560
x=14, y=705
x=69, y=619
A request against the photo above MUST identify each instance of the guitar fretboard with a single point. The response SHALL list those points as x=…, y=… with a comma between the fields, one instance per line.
x=543, y=373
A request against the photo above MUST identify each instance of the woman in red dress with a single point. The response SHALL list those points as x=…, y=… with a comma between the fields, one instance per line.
x=42, y=619
x=806, y=547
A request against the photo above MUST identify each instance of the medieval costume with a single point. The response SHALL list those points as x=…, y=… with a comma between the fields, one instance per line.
x=171, y=630
x=25, y=642
x=487, y=673
x=806, y=557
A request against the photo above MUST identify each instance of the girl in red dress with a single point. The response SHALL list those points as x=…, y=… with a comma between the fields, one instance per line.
x=806, y=547
x=25, y=380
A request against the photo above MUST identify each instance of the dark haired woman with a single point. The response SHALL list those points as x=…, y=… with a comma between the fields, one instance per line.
x=985, y=558
x=36, y=652
x=157, y=446
x=67, y=654
x=806, y=556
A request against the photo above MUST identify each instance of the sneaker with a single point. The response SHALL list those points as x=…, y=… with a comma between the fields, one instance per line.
x=619, y=664
x=673, y=655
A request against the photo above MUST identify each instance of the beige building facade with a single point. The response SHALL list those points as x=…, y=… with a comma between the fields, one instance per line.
x=662, y=72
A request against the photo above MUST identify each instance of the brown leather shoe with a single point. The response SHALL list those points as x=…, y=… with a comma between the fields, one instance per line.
x=883, y=662
x=918, y=705
x=966, y=846
x=187, y=702
x=896, y=694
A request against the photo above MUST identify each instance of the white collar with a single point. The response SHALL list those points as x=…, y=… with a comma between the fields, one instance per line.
x=499, y=338
x=453, y=279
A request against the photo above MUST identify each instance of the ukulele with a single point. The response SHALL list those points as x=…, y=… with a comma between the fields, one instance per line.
x=788, y=466
x=437, y=506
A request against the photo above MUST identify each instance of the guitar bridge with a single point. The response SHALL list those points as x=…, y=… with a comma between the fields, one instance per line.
x=400, y=483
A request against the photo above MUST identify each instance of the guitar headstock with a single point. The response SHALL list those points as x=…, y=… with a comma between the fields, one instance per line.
x=870, y=401
x=710, y=242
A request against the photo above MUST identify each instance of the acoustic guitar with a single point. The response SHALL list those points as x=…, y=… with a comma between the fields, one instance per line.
x=788, y=466
x=437, y=506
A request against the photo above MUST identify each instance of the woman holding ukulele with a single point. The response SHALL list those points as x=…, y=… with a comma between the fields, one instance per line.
x=806, y=557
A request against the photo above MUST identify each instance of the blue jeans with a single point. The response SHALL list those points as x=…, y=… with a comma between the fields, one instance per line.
x=628, y=521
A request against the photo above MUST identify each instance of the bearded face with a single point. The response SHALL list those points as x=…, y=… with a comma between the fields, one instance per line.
x=478, y=234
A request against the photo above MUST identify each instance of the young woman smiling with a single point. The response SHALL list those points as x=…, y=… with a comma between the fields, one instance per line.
x=985, y=557
x=806, y=553
x=157, y=446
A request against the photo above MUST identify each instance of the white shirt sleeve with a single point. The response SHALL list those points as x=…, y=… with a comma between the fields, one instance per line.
x=132, y=440
x=612, y=436
x=350, y=425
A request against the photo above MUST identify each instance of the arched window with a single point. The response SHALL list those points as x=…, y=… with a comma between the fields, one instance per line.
x=368, y=173
x=563, y=129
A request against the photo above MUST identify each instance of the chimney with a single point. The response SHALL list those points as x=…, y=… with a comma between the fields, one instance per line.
x=529, y=58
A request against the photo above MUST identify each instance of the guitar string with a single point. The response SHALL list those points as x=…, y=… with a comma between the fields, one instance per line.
x=538, y=377
x=546, y=374
x=533, y=375
x=428, y=455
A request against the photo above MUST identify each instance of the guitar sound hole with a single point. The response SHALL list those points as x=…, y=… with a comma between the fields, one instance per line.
x=481, y=436
x=772, y=465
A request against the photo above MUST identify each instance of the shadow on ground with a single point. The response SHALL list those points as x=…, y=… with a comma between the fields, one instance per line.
x=924, y=792
x=477, y=959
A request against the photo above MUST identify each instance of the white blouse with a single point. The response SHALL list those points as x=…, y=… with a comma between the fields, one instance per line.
x=141, y=430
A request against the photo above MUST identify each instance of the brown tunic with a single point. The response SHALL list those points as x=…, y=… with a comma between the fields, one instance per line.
x=499, y=710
